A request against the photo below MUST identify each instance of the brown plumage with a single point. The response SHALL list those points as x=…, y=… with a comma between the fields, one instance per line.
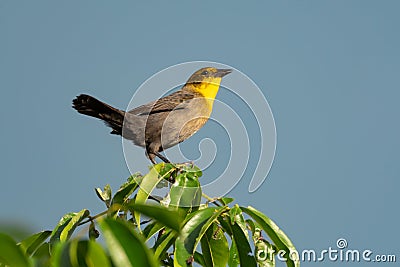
x=163, y=123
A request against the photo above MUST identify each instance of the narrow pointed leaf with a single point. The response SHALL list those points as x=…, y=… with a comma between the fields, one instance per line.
x=192, y=232
x=55, y=235
x=32, y=243
x=233, y=256
x=226, y=225
x=278, y=237
x=126, y=247
x=67, y=225
x=166, y=216
x=246, y=256
x=164, y=243
x=151, y=229
x=126, y=189
x=148, y=184
x=236, y=216
x=73, y=223
x=198, y=257
x=226, y=200
x=214, y=247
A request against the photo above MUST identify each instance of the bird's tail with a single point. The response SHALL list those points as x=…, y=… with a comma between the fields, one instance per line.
x=88, y=105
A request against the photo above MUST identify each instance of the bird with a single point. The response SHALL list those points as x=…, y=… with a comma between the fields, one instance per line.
x=165, y=122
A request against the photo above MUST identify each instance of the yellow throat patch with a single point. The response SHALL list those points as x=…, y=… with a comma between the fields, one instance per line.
x=209, y=89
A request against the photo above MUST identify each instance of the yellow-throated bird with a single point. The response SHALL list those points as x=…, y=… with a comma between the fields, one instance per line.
x=163, y=123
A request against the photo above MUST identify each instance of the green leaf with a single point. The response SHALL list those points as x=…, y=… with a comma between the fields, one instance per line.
x=192, y=232
x=166, y=216
x=104, y=195
x=226, y=224
x=242, y=244
x=165, y=169
x=164, y=243
x=125, y=191
x=251, y=225
x=96, y=255
x=214, y=247
x=10, y=253
x=236, y=216
x=56, y=254
x=194, y=170
x=126, y=247
x=73, y=223
x=55, y=235
x=264, y=253
x=151, y=229
x=67, y=225
x=32, y=243
x=41, y=257
x=281, y=241
x=186, y=191
x=226, y=200
x=79, y=253
x=233, y=260
x=198, y=257
x=149, y=182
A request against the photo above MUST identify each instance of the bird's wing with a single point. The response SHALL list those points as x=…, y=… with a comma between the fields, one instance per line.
x=165, y=104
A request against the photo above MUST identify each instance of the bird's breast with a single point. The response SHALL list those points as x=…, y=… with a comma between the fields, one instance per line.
x=183, y=122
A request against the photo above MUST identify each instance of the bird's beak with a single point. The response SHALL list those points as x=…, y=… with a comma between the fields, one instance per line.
x=222, y=72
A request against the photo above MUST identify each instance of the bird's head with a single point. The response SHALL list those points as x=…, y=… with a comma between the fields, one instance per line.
x=206, y=81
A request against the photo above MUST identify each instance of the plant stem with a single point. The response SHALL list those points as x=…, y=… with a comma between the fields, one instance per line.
x=210, y=200
x=91, y=218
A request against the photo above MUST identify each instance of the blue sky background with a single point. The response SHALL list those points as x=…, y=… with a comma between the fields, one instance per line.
x=329, y=69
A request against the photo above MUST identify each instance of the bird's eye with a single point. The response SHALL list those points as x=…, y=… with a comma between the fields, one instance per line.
x=204, y=73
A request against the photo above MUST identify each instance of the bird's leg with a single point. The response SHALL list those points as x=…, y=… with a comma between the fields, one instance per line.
x=151, y=154
x=152, y=158
x=161, y=157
